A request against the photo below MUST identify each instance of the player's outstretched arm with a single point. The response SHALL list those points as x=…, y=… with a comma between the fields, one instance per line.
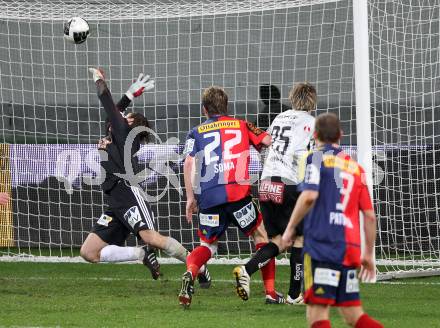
x=118, y=123
x=188, y=174
x=142, y=84
x=303, y=205
x=368, y=269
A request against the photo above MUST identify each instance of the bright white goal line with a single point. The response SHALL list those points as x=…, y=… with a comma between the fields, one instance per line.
x=104, y=10
x=421, y=271
x=77, y=259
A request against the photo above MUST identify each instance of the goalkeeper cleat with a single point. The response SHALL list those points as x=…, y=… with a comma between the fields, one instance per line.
x=187, y=290
x=150, y=261
x=243, y=280
x=295, y=301
x=275, y=298
x=204, y=278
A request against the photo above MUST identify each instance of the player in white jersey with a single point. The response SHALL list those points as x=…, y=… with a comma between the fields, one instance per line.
x=292, y=133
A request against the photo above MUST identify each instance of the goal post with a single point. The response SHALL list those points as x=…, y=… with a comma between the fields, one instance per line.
x=363, y=105
x=51, y=118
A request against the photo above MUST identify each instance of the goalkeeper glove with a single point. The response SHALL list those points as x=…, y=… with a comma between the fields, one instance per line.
x=97, y=73
x=143, y=83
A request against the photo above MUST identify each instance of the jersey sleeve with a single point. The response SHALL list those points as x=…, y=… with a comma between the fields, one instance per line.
x=312, y=175
x=123, y=103
x=190, y=145
x=256, y=135
x=118, y=123
x=365, y=203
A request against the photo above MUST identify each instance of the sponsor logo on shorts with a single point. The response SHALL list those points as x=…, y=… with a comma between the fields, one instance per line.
x=319, y=291
x=245, y=215
x=210, y=220
x=324, y=276
x=133, y=216
x=104, y=220
x=352, y=282
x=271, y=191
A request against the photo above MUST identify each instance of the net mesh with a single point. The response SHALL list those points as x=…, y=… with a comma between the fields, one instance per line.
x=51, y=118
x=47, y=97
x=405, y=64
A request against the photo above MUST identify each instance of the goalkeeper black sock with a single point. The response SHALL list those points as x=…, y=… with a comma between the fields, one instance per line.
x=261, y=257
x=296, y=274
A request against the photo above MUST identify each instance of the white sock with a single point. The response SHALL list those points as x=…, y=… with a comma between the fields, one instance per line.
x=113, y=253
x=175, y=249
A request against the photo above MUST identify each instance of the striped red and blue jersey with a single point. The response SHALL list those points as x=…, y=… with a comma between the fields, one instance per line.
x=221, y=148
x=332, y=228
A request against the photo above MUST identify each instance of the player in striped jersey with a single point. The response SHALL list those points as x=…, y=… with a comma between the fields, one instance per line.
x=217, y=185
x=333, y=194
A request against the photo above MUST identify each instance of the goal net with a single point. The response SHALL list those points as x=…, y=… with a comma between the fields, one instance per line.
x=51, y=118
x=405, y=72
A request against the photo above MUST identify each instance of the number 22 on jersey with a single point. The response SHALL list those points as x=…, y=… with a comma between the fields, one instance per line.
x=210, y=149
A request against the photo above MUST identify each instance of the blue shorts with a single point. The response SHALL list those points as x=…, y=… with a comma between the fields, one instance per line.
x=330, y=283
x=214, y=221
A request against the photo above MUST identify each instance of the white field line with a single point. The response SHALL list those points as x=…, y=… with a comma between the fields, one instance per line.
x=225, y=281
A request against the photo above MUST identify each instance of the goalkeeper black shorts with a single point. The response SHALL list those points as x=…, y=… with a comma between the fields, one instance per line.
x=128, y=213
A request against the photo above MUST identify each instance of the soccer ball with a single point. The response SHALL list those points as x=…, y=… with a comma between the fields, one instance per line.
x=76, y=30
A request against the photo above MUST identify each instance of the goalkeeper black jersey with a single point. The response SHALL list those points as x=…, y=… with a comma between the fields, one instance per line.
x=112, y=155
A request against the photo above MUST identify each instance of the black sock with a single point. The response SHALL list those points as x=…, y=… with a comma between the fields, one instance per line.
x=296, y=274
x=261, y=257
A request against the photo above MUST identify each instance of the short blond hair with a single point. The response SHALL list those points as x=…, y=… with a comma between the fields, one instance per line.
x=303, y=97
x=215, y=101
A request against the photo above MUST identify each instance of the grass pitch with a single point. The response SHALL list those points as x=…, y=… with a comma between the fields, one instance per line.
x=124, y=295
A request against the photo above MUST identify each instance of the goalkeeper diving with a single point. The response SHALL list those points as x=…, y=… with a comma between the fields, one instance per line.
x=128, y=211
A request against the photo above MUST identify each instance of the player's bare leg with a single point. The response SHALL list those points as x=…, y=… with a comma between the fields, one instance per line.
x=91, y=248
x=95, y=250
x=168, y=244
x=260, y=235
x=355, y=316
x=351, y=314
x=318, y=315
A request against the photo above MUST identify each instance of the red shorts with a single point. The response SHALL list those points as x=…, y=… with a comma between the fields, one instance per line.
x=330, y=283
